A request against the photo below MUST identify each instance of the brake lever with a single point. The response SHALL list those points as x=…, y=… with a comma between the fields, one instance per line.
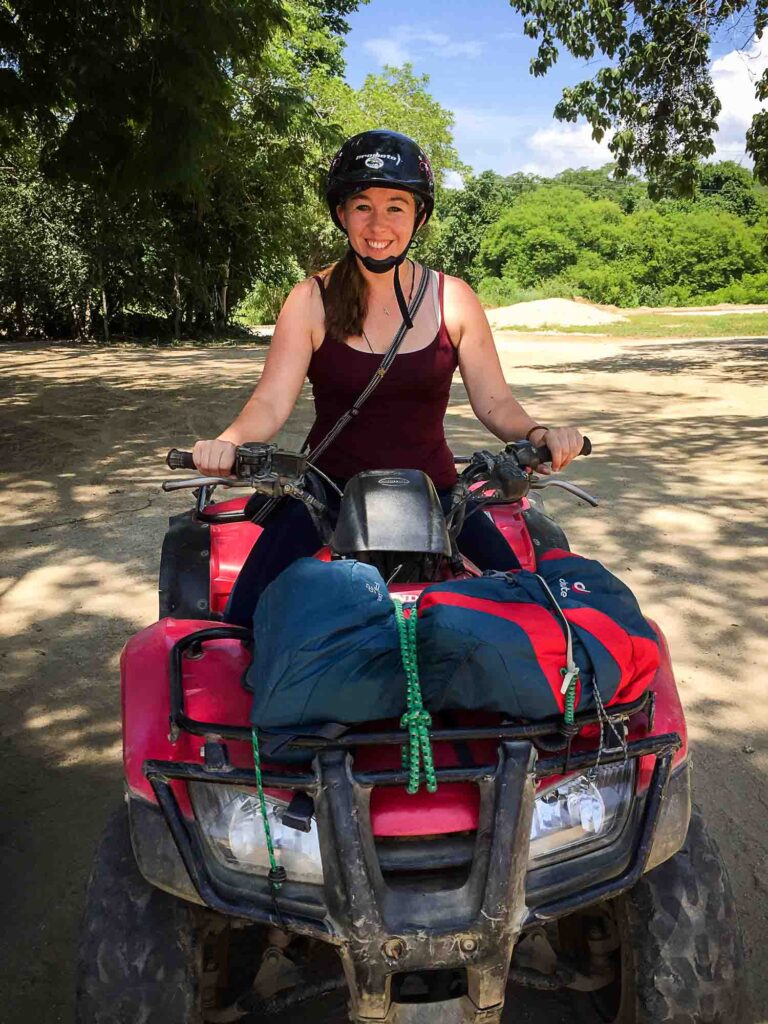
x=539, y=484
x=201, y=481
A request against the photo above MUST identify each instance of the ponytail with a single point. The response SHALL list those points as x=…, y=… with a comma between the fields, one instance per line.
x=346, y=299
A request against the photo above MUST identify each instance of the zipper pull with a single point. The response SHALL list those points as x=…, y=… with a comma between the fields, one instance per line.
x=570, y=675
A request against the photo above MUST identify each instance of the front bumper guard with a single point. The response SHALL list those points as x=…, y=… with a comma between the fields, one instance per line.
x=381, y=931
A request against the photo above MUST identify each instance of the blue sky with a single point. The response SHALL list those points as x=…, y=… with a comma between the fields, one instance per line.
x=477, y=58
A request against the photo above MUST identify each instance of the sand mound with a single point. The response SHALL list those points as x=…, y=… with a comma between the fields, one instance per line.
x=550, y=312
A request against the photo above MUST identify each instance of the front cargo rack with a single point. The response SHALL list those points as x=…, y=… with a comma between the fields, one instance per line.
x=541, y=730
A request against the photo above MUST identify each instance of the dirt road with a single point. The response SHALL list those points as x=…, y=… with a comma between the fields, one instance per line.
x=680, y=433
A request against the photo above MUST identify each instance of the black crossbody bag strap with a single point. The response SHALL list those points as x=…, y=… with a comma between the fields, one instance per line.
x=365, y=394
x=376, y=379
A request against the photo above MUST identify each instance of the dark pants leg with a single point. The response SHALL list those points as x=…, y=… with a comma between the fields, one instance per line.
x=289, y=533
x=481, y=540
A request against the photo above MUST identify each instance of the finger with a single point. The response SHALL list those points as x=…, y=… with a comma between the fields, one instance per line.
x=572, y=442
x=556, y=447
x=199, y=456
x=209, y=460
x=577, y=443
x=569, y=449
x=223, y=461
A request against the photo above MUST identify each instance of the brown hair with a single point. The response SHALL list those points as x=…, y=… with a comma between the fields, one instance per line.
x=346, y=299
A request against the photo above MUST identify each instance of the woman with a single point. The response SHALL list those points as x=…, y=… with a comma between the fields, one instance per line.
x=335, y=327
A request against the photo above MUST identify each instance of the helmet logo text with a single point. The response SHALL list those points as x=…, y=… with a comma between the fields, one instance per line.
x=376, y=160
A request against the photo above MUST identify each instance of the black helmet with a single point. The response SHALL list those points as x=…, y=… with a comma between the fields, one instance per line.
x=378, y=159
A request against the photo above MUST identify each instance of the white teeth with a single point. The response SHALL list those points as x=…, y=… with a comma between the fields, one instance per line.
x=378, y=245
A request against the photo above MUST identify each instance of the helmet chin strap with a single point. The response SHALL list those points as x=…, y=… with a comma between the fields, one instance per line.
x=383, y=267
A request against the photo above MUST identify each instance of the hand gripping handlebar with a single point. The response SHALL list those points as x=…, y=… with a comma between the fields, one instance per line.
x=545, y=455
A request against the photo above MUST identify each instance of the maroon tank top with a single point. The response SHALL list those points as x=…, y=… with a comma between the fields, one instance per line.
x=401, y=424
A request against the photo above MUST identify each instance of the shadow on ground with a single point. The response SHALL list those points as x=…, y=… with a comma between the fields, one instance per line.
x=675, y=464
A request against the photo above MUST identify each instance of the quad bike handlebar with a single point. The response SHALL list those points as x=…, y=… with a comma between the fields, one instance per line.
x=179, y=459
x=276, y=472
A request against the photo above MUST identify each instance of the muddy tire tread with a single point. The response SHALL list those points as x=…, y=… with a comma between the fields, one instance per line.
x=138, y=959
x=688, y=950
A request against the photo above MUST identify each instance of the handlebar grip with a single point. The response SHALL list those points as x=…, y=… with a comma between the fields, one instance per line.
x=177, y=459
x=545, y=455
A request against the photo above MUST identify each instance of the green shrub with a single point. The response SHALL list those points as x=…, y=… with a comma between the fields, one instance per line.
x=503, y=291
x=752, y=289
x=612, y=283
x=263, y=303
x=548, y=230
x=676, y=295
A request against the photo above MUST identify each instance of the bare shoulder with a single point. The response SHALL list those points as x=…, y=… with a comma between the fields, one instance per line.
x=302, y=311
x=304, y=293
x=462, y=309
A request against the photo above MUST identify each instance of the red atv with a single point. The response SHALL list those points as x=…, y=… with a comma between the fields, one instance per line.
x=567, y=864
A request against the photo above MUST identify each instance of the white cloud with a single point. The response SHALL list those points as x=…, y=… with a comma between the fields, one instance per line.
x=565, y=145
x=735, y=75
x=453, y=179
x=487, y=139
x=407, y=43
x=441, y=45
x=387, y=51
x=535, y=144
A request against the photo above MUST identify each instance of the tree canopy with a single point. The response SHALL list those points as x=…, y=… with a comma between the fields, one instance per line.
x=162, y=166
x=558, y=239
x=161, y=159
x=653, y=88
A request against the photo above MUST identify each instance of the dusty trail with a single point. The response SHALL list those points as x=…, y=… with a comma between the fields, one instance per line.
x=680, y=431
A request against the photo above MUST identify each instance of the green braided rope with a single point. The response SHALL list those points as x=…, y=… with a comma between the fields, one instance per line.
x=570, y=698
x=274, y=866
x=416, y=719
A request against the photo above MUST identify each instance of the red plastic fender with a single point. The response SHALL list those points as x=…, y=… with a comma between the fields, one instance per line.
x=509, y=520
x=231, y=544
x=212, y=692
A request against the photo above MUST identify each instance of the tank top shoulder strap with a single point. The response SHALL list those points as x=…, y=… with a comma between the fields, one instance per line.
x=321, y=286
x=439, y=292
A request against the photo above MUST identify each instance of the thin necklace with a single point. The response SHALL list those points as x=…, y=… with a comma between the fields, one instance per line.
x=386, y=311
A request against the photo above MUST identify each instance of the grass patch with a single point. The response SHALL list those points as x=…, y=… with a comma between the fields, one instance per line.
x=664, y=325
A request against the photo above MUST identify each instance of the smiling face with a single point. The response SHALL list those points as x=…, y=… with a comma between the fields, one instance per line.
x=379, y=221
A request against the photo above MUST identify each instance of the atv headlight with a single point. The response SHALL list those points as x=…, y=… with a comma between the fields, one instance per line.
x=232, y=827
x=581, y=813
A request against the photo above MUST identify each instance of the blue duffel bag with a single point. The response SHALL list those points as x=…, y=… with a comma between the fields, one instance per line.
x=325, y=648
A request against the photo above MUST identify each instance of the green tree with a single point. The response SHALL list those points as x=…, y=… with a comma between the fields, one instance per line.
x=544, y=231
x=654, y=88
x=464, y=216
x=184, y=140
x=603, y=183
x=129, y=95
x=695, y=251
x=728, y=186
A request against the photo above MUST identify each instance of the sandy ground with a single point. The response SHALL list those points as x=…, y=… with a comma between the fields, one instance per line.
x=680, y=433
x=545, y=312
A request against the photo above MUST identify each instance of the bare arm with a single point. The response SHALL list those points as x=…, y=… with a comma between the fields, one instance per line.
x=297, y=330
x=489, y=395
